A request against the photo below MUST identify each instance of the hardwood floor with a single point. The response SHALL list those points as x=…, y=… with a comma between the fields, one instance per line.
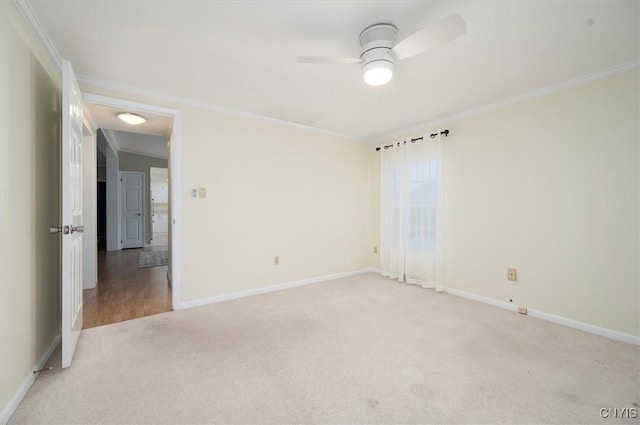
x=124, y=291
x=160, y=239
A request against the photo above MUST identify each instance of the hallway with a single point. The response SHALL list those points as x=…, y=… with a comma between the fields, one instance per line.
x=124, y=291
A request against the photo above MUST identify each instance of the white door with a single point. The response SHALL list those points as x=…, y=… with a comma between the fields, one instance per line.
x=132, y=209
x=159, y=206
x=71, y=147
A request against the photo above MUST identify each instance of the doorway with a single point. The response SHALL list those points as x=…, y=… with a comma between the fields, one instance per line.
x=129, y=285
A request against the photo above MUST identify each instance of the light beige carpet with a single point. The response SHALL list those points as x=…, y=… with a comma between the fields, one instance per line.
x=363, y=349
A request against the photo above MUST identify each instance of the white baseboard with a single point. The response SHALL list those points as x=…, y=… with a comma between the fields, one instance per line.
x=609, y=333
x=22, y=390
x=267, y=289
x=480, y=298
x=597, y=330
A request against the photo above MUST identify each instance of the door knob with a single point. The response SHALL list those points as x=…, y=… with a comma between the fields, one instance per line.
x=59, y=229
x=139, y=214
x=79, y=229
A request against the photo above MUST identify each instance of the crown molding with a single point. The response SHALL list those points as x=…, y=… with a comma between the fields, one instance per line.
x=24, y=7
x=141, y=153
x=112, y=140
x=113, y=102
x=90, y=82
x=420, y=128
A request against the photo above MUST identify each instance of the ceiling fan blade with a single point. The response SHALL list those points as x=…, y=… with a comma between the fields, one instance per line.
x=327, y=59
x=439, y=32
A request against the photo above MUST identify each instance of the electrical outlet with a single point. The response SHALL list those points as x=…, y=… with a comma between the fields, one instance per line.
x=522, y=310
x=276, y=260
x=512, y=274
x=375, y=249
x=194, y=193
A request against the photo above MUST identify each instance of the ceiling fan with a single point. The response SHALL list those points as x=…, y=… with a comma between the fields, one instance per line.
x=380, y=51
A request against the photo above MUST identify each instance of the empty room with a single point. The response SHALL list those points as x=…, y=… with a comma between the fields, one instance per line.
x=322, y=212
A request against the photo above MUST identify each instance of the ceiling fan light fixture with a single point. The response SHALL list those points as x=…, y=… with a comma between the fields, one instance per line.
x=131, y=118
x=377, y=73
x=380, y=51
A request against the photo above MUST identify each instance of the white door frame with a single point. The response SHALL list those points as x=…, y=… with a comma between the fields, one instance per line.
x=175, y=174
x=152, y=213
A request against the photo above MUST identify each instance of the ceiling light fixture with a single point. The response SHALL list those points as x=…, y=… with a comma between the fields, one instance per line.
x=377, y=73
x=377, y=60
x=380, y=51
x=130, y=118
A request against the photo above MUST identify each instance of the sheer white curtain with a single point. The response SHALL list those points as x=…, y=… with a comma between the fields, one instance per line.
x=411, y=201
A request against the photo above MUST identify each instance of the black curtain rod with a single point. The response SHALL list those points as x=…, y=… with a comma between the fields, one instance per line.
x=432, y=136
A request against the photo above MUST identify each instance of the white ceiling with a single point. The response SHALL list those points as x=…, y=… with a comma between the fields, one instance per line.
x=107, y=117
x=241, y=55
x=149, y=138
x=141, y=144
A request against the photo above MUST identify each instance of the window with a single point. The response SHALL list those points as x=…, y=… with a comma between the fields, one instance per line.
x=421, y=179
x=411, y=180
x=422, y=201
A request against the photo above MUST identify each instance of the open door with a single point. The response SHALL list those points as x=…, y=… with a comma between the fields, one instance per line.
x=72, y=228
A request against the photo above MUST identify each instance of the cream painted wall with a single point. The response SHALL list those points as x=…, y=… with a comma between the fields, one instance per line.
x=272, y=189
x=550, y=186
x=29, y=192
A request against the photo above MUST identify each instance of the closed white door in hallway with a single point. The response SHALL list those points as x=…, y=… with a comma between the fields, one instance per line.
x=132, y=209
